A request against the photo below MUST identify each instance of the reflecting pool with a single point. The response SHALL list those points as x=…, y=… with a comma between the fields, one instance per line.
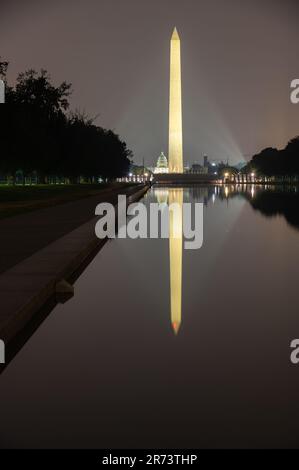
x=163, y=347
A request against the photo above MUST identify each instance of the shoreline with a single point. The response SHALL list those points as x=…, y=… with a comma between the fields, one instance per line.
x=27, y=287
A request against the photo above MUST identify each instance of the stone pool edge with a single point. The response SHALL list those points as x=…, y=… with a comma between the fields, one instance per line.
x=27, y=286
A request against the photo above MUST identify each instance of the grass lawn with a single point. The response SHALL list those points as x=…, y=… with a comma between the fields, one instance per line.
x=18, y=199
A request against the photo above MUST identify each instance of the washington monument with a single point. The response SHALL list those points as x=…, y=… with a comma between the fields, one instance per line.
x=175, y=155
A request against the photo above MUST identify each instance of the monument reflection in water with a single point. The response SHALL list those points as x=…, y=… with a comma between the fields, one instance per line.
x=119, y=375
x=175, y=196
x=269, y=200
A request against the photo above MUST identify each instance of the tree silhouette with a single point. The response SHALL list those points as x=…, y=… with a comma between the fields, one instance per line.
x=3, y=69
x=273, y=162
x=38, y=137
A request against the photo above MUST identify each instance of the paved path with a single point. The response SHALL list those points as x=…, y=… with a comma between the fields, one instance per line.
x=28, y=285
x=23, y=235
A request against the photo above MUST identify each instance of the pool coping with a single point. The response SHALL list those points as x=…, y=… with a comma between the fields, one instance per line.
x=28, y=285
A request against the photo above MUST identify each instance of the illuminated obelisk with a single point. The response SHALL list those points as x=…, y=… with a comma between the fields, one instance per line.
x=175, y=156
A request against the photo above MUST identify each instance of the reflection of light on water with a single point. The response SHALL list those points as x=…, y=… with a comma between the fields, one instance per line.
x=175, y=195
x=161, y=195
x=252, y=191
x=175, y=253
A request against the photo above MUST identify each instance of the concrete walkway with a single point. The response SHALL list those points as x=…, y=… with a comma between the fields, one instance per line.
x=66, y=242
x=23, y=235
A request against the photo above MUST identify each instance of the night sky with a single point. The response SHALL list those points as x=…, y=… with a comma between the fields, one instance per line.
x=238, y=59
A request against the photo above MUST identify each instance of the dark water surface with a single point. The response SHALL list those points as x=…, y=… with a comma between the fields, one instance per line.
x=107, y=370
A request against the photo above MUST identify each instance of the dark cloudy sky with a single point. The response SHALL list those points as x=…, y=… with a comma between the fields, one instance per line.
x=238, y=59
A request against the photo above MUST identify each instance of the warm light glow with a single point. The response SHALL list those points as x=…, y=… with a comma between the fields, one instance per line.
x=176, y=255
x=175, y=156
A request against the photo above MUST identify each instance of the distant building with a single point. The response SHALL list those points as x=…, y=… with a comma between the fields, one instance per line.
x=198, y=169
x=162, y=164
x=209, y=168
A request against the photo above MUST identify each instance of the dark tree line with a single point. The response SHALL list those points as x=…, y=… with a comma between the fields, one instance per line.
x=38, y=136
x=274, y=162
x=272, y=203
x=280, y=200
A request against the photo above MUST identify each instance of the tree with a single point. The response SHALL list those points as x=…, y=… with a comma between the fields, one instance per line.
x=291, y=155
x=274, y=162
x=267, y=162
x=35, y=89
x=3, y=69
x=38, y=136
